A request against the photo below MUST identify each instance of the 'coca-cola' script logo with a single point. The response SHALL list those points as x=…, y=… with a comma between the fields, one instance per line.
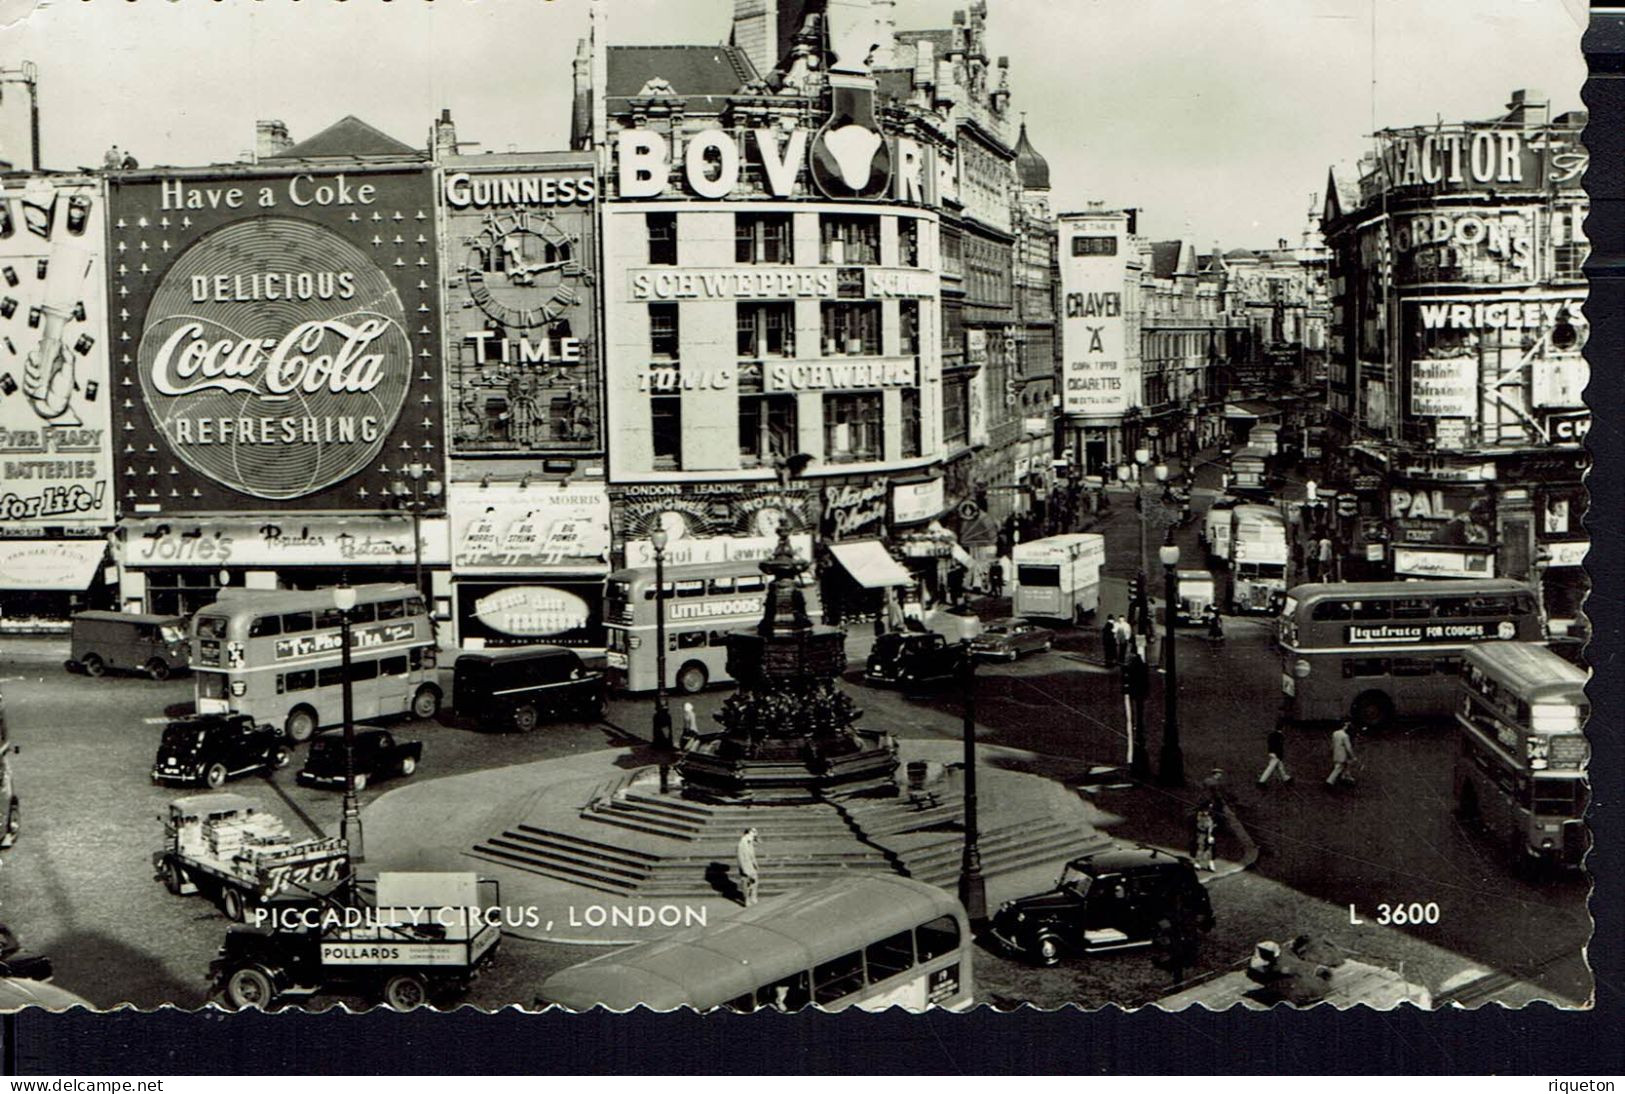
x=274, y=395
x=189, y=360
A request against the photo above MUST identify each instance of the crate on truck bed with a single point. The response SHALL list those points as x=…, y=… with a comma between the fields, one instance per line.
x=223, y=846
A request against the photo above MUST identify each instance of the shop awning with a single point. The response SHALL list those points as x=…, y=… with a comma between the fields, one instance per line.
x=869, y=564
x=1251, y=409
x=50, y=564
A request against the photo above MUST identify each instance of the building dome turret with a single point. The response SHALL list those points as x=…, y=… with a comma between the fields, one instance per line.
x=1030, y=166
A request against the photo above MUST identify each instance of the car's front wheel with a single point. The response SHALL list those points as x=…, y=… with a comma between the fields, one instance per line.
x=250, y=988
x=1046, y=948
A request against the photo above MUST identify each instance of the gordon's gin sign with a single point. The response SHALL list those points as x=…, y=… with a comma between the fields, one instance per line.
x=275, y=357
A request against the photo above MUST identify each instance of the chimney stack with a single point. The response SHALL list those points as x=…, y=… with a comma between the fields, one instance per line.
x=445, y=135
x=271, y=138
x=1529, y=108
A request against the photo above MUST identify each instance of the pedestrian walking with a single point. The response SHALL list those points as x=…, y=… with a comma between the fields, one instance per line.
x=1125, y=637
x=1342, y=757
x=995, y=579
x=1323, y=552
x=1215, y=626
x=1136, y=686
x=1275, y=745
x=1206, y=829
x=1108, y=641
x=749, y=874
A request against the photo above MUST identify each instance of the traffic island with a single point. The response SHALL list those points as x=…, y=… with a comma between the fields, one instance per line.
x=588, y=851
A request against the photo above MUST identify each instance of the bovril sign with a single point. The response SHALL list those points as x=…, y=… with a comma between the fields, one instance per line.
x=709, y=163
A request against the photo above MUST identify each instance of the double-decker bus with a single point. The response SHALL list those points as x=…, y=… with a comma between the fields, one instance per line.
x=275, y=654
x=1373, y=651
x=871, y=942
x=1521, y=768
x=703, y=602
x=1258, y=557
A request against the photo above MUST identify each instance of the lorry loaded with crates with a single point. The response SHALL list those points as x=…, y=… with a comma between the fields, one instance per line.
x=1058, y=577
x=223, y=846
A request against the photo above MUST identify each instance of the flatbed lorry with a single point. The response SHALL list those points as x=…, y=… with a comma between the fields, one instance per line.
x=222, y=846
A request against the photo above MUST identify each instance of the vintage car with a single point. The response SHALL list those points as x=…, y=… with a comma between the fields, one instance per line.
x=1008, y=639
x=520, y=688
x=912, y=657
x=208, y=749
x=1109, y=900
x=378, y=755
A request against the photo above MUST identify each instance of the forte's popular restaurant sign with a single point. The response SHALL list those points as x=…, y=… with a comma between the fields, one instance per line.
x=274, y=337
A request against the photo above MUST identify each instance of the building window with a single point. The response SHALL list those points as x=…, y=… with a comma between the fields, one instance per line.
x=852, y=428
x=662, y=238
x=955, y=420
x=767, y=428
x=908, y=241
x=763, y=239
x=767, y=330
x=908, y=312
x=666, y=421
x=850, y=240
x=663, y=331
x=1093, y=245
x=852, y=329
x=911, y=422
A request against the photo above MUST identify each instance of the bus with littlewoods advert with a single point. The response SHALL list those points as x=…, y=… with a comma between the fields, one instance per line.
x=1521, y=766
x=703, y=602
x=1378, y=651
x=870, y=942
x=276, y=655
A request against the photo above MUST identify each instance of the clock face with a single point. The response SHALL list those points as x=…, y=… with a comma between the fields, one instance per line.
x=522, y=269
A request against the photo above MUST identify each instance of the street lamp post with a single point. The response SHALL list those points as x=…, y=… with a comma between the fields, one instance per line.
x=1142, y=457
x=662, y=719
x=1172, y=768
x=972, y=889
x=350, y=823
x=415, y=494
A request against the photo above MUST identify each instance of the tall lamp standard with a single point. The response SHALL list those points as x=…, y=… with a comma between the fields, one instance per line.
x=1171, y=771
x=662, y=720
x=350, y=823
x=972, y=889
x=1142, y=457
x=414, y=494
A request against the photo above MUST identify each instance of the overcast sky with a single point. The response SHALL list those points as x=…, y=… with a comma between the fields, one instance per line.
x=1218, y=118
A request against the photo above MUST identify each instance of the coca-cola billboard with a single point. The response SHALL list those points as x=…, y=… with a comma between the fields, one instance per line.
x=276, y=338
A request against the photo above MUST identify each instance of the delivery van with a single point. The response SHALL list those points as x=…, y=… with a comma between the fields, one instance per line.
x=1058, y=577
x=155, y=645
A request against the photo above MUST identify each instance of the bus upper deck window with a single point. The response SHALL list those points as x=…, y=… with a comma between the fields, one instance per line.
x=789, y=994
x=328, y=617
x=415, y=606
x=938, y=937
x=265, y=626
x=691, y=588
x=391, y=609
x=834, y=980
x=1370, y=609
x=753, y=583
x=211, y=626
x=1417, y=608
x=1330, y=609
x=890, y=956
x=298, y=622
x=364, y=613
x=721, y=586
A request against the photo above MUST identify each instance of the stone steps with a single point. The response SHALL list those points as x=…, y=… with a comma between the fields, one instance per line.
x=701, y=860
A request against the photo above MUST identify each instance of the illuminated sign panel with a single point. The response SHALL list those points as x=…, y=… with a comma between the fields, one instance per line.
x=55, y=458
x=1095, y=366
x=276, y=338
